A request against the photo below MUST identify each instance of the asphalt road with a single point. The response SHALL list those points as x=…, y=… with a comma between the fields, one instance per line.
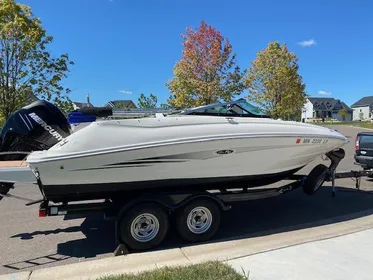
x=29, y=242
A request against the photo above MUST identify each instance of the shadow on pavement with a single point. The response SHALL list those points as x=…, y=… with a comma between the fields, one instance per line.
x=99, y=239
x=31, y=235
x=35, y=262
x=289, y=212
x=283, y=213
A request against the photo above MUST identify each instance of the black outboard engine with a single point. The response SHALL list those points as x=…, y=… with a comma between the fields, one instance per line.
x=37, y=126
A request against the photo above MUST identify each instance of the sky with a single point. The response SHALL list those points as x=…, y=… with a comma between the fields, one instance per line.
x=123, y=48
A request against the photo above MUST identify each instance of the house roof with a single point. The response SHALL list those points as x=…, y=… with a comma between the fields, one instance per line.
x=328, y=104
x=83, y=104
x=348, y=109
x=120, y=103
x=365, y=101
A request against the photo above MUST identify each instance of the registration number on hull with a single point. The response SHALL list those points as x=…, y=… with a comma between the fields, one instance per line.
x=311, y=141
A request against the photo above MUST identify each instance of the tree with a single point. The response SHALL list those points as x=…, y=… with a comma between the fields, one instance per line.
x=207, y=71
x=147, y=102
x=2, y=121
x=274, y=83
x=165, y=106
x=343, y=114
x=27, y=69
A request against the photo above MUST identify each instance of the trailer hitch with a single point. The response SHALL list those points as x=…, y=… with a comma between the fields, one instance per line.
x=335, y=157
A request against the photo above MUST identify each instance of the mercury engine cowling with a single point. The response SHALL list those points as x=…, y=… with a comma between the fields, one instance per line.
x=37, y=126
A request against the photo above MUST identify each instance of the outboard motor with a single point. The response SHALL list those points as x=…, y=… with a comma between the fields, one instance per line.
x=37, y=126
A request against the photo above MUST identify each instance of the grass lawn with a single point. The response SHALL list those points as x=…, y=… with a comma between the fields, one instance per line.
x=354, y=123
x=363, y=124
x=202, y=271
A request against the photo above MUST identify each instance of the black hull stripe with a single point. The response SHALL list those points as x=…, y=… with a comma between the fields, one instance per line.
x=143, y=162
x=110, y=167
x=178, y=158
x=128, y=165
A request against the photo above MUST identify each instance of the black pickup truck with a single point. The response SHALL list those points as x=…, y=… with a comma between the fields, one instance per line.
x=364, y=149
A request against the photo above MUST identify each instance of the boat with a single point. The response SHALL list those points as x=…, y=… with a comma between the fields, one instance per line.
x=212, y=145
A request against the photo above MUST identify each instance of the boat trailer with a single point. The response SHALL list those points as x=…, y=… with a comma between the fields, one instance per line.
x=142, y=221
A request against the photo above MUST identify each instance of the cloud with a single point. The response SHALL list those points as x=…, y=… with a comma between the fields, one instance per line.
x=307, y=43
x=125, y=91
x=323, y=92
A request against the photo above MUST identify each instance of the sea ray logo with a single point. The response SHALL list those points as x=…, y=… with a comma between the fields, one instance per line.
x=47, y=127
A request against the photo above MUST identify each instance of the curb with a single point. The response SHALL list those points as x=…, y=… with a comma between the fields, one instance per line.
x=16, y=276
x=242, y=246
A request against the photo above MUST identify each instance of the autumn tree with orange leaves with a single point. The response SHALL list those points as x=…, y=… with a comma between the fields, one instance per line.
x=207, y=71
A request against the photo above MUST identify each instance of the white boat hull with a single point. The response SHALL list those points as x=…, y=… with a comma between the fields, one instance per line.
x=179, y=151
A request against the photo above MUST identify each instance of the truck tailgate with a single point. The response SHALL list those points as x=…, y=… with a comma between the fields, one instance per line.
x=366, y=145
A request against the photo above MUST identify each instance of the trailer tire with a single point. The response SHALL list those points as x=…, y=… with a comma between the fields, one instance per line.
x=189, y=229
x=153, y=217
x=315, y=179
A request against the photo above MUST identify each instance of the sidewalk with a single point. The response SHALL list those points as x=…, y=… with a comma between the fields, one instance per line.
x=346, y=257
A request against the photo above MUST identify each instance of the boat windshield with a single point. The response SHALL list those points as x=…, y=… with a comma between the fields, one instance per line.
x=250, y=108
x=239, y=108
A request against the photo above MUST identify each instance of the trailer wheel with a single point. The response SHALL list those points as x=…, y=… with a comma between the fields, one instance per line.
x=198, y=220
x=315, y=179
x=144, y=226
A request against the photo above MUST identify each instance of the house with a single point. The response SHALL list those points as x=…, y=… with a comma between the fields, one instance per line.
x=325, y=107
x=121, y=104
x=80, y=105
x=362, y=109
